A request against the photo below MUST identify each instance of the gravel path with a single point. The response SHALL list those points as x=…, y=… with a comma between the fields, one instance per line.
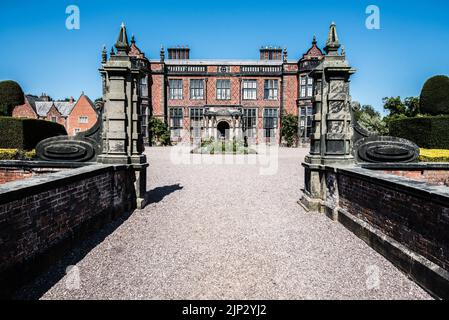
x=226, y=232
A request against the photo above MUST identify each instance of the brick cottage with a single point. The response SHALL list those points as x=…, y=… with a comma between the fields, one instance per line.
x=75, y=116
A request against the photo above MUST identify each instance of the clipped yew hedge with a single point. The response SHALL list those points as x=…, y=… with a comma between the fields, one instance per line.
x=25, y=134
x=427, y=132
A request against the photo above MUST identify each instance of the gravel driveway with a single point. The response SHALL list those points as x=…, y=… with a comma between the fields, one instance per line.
x=224, y=231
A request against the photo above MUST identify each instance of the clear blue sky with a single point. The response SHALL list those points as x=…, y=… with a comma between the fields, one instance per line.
x=43, y=56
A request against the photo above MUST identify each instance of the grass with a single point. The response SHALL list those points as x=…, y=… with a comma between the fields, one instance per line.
x=16, y=154
x=434, y=155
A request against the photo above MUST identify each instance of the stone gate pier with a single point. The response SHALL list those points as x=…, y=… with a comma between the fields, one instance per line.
x=374, y=185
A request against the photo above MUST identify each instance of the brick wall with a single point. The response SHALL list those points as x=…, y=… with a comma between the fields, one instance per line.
x=39, y=214
x=24, y=111
x=82, y=108
x=10, y=174
x=436, y=177
x=412, y=213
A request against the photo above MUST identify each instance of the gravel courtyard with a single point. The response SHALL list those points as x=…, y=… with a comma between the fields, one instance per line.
x=224, y=231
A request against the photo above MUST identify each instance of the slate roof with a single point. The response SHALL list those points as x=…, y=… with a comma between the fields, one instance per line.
x=64, y=108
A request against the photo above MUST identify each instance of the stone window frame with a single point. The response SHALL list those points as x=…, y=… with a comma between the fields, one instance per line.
x=270, y=122
x=196, y=89
x=223, y=92
x=76, y=131
x=305, y=86
x=249, y=92
x=196, y=117
x=176, y=118
x=175, y=89
x=83, y=119
x=54, y=119
x=250, y=121
x=271, y=89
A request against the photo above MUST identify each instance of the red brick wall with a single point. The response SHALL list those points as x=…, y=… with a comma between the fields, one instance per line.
x=12, y=174
x=24, y=111
x=438, y=177
x=53, y=112
x=81, y=108
x=412, y=217
x=291, y=94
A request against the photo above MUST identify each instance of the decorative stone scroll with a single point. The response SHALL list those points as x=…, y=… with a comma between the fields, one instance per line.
x=377, y=149
x=83, y=147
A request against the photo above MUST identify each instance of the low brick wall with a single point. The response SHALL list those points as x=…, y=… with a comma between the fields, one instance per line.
x=14, y=170
x=41, y=213
x=405, y=220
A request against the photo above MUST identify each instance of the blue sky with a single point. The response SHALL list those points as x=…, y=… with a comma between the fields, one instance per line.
x=43, y=56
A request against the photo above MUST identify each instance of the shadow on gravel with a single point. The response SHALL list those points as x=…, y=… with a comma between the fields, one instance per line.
x=159, y=193
x=37, y=287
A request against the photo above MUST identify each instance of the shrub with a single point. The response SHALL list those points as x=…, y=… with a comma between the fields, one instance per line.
x=159, y=133
x=435, y=96
x=290, y=130
x=427, y=132
x=16, y=154
x=434, y=155
x=11, y=95
x=25, y=134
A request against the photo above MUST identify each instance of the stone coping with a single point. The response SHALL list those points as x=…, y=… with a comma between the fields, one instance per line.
x=29, y=164
x=406, y=166
x=420, y=189
x=22, y=188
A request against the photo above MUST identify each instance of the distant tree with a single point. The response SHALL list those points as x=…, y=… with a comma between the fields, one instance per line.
x=366, y=109
x=159, y=133
x=11, y=95
x=290, y=129
x=412, y=106
x=434, y=98
x=394, y=106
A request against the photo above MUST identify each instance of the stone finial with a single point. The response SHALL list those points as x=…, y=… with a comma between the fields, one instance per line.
x=122, y=43
x=285, y=55
x=332, y=43
x=112, y=52
x=133, y=39
x=314, y=42
x=162, y=53
x=104, y=55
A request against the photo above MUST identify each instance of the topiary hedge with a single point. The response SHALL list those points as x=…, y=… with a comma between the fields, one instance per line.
x=11, y=95
x=427, y=132
x=25, y=134
x=434, y=98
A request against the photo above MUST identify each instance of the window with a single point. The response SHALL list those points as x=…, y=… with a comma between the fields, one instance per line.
x=176, y=121
x=306, y=87
x=305, y=122
x=271, y=89
x=223, y=89
x=175, y=89
x=83, y=119
x=144, y=87
x=250, y=122
x=54, y=119
x=270, y=122
x=76, y=130
x=196, y=122
x=197, y=89
x=249, y=89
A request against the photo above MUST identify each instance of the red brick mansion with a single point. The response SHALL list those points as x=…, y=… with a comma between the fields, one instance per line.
x=226, y=98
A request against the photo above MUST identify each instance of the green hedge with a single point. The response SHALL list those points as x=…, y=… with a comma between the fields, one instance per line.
x=25, y=134
x=427, y=132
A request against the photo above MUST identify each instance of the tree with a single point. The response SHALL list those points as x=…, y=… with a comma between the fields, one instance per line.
x=394, y=105
x=412, y=106
x=434, y=98
x=158, y=131
x=366, y=109
x=11, y=95
x=289, y=130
